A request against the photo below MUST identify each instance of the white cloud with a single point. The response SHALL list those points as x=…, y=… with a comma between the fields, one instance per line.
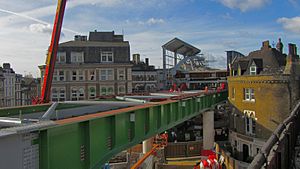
x=290, y=24
x=107, y=3
x=244, y=5
x=40, y=28
x=152, y=21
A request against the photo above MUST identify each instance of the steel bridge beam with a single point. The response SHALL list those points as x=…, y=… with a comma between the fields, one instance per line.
x=90, y=142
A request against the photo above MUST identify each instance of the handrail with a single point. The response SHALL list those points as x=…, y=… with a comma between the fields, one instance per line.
x=261, y=158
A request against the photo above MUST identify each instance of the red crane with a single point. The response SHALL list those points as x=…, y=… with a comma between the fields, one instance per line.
x=52, y=52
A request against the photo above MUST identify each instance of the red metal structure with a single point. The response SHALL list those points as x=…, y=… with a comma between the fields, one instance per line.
x=52, y=52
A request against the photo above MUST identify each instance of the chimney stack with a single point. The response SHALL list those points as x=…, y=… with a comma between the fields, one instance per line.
x=279, y=46
x=292, y=49
x=6, y=66
x=147, y=61
x=136, y=58
x=265, y=45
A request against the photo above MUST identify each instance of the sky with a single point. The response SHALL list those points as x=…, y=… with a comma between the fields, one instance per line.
x=214, y=26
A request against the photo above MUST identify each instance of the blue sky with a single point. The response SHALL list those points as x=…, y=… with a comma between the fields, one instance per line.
x=213, y=26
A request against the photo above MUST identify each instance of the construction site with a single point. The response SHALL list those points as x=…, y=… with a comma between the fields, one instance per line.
x=94, y=105
x=170, y=128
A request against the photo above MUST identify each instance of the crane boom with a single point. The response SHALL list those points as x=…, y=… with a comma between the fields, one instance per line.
x=52, y=53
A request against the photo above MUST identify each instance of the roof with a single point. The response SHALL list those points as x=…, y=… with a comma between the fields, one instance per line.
x=93, y=44
x=271, y=57
x=241, y=62
x=258, y=62
x=181, y=47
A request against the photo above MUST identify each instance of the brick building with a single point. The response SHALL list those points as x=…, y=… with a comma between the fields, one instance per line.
x=263, y=88
x=88, y=68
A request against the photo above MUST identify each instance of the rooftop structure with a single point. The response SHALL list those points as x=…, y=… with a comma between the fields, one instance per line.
x=175, y=51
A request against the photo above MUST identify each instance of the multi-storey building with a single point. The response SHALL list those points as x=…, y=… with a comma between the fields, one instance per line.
x=263, y=88
x=88, y=68
x=30, y=89
x=18, y=91
x=9, y=85
x=1, y=88
x=144, y=76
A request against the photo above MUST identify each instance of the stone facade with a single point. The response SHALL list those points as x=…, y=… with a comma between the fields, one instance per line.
x=30, y=88
x=86, y=69
x=9, y=85
x=18, y=90
x=144, y=76
x=1, y=88
x=263, y=88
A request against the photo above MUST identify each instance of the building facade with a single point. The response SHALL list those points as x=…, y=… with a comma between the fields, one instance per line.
x=89, y=68
x=9, y=85
x=18, y=90
x=1, y=88
x=30, y=88
x=144, y=76
x=263, y=88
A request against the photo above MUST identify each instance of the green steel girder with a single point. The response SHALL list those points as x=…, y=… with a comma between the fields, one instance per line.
x=90, y=143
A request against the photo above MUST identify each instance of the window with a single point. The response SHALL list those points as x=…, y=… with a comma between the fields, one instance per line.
x=61, y=75
x=55, y=76
x=121, y=74
x=121, y=89
x=106, y=56
x=106, y=74
x=233, y=93
x=58, y=94
x=80, y=75
x=77, y=57
x=249, y=94
x=54, y=94
x=61, y=57
x=107, y=90
x=77, y=93
x=253, y=70
x=77, y=75
x=74, y=75
x=92, y=92
x=58, y=75
x=250, y=122
x=103, y=90
x=110, y=91
x=91, y=75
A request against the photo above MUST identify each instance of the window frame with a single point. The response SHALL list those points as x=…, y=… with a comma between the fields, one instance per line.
x=59, y=57
x=250, y=122
x=92, y=75
x=107, y=55
x=106, y=75
x=253, y=72
x=92, y=95
x=249, y=94
x=77, y=57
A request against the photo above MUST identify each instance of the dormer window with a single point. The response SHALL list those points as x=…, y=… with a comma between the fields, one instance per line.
x=253, y=69
x=107, y=57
